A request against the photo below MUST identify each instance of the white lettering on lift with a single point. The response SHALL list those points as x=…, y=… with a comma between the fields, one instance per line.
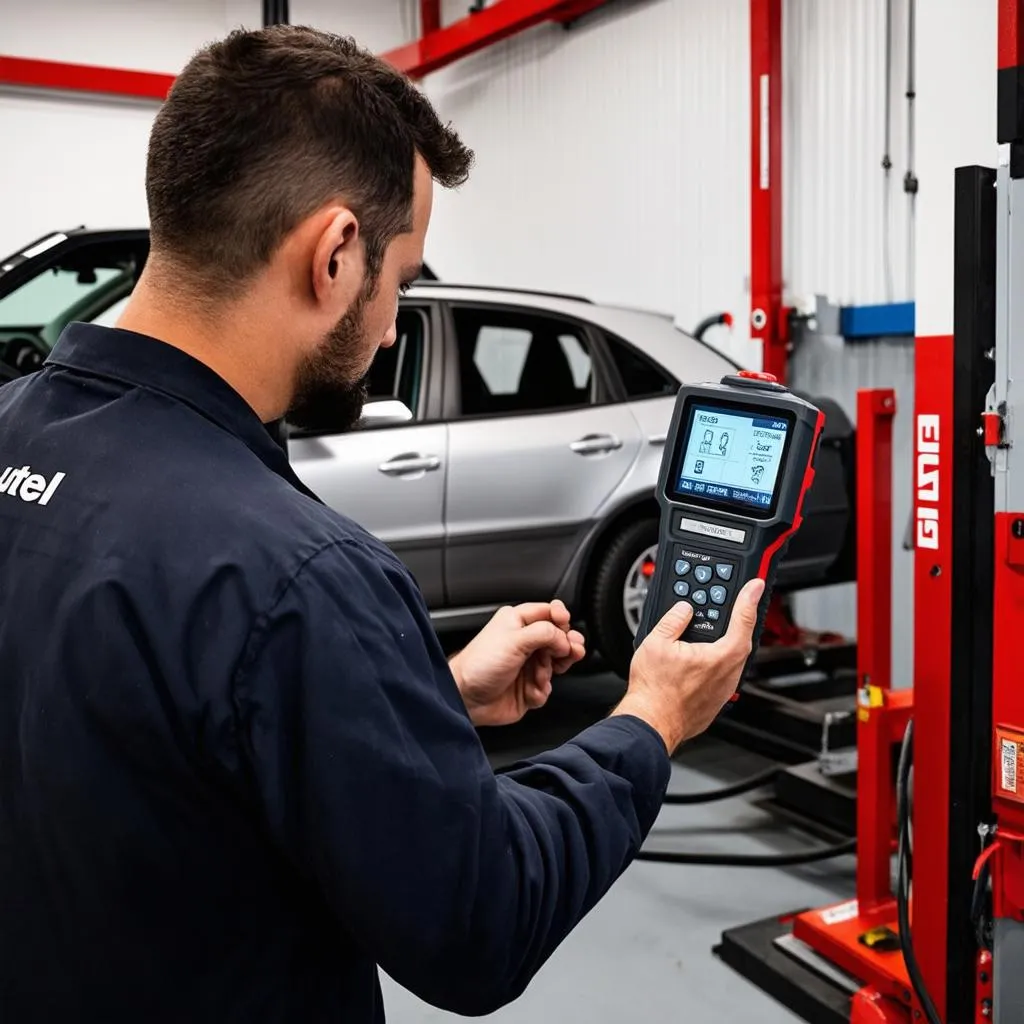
x=927, y=462
x=32, y=487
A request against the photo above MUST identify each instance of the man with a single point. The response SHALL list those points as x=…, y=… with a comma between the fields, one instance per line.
x=236, y=771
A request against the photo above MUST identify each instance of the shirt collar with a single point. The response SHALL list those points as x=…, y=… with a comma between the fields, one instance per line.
x=141, y=361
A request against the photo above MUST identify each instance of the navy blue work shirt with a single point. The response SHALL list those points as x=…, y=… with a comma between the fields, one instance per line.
x=236, y=773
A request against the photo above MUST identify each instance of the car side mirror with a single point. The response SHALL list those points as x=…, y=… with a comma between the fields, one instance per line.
x=384, y=412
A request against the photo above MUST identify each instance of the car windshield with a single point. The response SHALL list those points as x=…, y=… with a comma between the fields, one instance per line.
x=35, y=302
x=78, y=288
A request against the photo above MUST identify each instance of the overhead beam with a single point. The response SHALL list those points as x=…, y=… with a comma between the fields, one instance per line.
x=437, y=48
x=505, y=18
x=26, y=73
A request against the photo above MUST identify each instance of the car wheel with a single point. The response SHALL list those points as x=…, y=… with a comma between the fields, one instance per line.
x=619, y=590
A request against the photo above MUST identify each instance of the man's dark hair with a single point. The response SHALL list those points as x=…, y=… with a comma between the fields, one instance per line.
x=263, y=127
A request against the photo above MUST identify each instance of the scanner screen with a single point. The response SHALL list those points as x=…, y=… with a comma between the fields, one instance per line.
x=732, y=457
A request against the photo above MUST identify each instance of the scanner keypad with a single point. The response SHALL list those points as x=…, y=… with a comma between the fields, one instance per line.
x=693, y=571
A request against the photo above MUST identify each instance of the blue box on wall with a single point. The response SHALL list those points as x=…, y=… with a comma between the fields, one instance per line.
x=893, y=319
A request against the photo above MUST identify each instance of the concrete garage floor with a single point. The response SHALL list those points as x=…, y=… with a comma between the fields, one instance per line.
x=645, y=952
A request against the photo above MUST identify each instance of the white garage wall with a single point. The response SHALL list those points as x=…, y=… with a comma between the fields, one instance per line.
x=956, y=60
x=378, y=25
x=841, y=238
x=71, y=160
x=612, y=159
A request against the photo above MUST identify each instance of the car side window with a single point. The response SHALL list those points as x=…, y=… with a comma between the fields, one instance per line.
x=397, y=372
x=514, y=362
x=640, y=375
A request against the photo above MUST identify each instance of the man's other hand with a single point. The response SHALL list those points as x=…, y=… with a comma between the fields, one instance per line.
x=507, y=668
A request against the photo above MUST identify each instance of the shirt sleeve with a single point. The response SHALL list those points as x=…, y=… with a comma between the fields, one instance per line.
x=460, y=883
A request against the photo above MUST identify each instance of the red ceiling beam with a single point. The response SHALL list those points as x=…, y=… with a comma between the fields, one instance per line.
x=767, y=317
x=572, y=11
x=437, y=48
x=502, y=19
x=25, y=73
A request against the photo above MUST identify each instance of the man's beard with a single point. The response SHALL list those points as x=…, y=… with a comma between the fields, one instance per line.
x=331, y=388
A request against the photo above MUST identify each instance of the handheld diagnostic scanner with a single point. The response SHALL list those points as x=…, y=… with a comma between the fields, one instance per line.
x=738, y=462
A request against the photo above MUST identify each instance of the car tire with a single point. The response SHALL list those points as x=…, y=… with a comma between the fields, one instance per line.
x=612, y=633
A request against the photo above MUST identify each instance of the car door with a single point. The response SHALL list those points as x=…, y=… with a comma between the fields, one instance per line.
x=534, y=451
x=389, y=474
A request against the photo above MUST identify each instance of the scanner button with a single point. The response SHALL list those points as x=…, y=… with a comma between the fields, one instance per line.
x=718, y=595
x=713, y=614
x=682, y=567
x=700, y=597
x=702, y=574
x=681, y=588
x=723, y=571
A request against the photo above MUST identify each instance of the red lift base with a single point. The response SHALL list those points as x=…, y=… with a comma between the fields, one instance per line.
x=771, y=955
x=760, y=952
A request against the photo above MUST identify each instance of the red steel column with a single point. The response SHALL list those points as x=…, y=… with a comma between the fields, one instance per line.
x=766, y=314
x=933, y=627
x=430, y=16
x=876, y=409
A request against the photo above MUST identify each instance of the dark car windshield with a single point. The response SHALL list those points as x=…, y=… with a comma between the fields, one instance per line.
x=40, y=300
x=90, y=283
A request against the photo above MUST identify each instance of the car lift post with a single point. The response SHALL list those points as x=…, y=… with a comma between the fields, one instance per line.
x=840, y=963
x=882, y=712
x=836, y=932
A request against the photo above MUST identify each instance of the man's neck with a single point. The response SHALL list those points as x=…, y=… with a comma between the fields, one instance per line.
x=231, y=343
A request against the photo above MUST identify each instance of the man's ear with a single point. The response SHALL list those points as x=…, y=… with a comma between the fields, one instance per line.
x=338, y=261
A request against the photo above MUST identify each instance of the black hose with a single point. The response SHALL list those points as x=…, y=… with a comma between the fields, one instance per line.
x=711, y=795
x=904, y=874
x=750, y=860
x=980, y=909
x=708, y=322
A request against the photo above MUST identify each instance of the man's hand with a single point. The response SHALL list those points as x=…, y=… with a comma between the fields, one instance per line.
x=679, y=688
x=507, y=668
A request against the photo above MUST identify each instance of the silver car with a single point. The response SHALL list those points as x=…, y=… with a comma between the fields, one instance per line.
x=510, y=447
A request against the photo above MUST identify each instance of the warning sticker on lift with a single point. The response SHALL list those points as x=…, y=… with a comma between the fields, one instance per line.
x=841, y=912
x=1009, y=764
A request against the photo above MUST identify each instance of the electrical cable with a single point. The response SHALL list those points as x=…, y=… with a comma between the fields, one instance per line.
x=904, y=872
x=711, y=321
x=750, y=860
x=910, y=182
x=887, y=159
x=735, y=789
x=980, y=909
x=741, y=860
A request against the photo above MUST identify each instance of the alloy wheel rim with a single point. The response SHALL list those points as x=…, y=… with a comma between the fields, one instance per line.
x=634, y=590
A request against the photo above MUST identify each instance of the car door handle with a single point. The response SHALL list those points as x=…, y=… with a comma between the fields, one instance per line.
x=595, y=444
x=401, y=465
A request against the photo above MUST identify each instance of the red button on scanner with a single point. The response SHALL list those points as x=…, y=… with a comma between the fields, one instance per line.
x=758, y=375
